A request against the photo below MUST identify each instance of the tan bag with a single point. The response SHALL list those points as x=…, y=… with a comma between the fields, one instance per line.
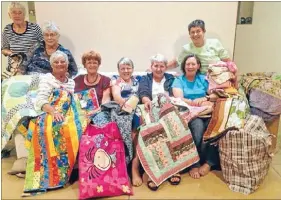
x=245, y=155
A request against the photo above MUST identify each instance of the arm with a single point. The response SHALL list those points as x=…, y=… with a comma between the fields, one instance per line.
x=106, y=96
x=116, y=93
x=147, y=103
x=44, y=91
x=144, y=90
x=5, y=48
x=172, y=64
x=178, y=93
x=39, y=34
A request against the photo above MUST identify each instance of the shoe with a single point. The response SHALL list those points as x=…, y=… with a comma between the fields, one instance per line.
x=175, y=182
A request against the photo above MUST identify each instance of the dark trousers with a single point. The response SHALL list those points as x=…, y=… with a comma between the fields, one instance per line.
x=207, y=153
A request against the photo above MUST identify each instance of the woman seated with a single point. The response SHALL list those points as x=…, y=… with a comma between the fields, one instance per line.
x=91, y=61
x=54, y=135
x=192, y=88
x=38, y=59
x=125, y=86
x=150, y=86
x=209, y=51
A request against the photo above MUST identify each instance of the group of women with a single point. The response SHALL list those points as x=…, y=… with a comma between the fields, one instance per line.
x=56, y=66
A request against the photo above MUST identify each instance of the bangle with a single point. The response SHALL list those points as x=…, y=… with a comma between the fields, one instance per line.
x=208, y=98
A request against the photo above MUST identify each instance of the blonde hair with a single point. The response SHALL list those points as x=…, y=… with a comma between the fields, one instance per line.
x=16, y=4
x=91, y=55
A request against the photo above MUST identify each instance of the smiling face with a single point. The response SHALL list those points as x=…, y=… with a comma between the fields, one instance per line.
x=92, y=66
x=17, y=15
x=60, y=66
x=158, y=69
x=197, y=35
x=51, y=38
x=191, y=66
x=125, y=71
x=102, y=160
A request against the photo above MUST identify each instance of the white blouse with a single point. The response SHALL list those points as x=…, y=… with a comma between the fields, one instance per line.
x=158, y=88
x=46, y=86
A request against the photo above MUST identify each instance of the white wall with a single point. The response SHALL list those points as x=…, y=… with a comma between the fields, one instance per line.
x=135, y=29
x=257, y=46
x=6, y=20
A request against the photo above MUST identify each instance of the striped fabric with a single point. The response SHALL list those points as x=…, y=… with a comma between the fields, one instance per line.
x=47, y=83
x=20, y=43
x=245, y=156
x=53, y=146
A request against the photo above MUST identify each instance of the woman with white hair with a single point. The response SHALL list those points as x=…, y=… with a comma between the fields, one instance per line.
x=21, y=35
x=38, y=60
x=150, y=86
x=54, y=135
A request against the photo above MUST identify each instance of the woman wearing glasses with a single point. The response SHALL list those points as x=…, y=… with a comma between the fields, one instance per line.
x=209, y=51
x=125, y=86
x=38, y=59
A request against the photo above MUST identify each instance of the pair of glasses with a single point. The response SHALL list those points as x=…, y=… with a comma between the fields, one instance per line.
x=50, y=35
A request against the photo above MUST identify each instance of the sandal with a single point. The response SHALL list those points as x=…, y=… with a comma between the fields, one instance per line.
x=153, y=188
x=178, y=176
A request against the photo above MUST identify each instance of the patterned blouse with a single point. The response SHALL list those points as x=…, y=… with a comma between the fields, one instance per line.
x=100, y=87
x=39, y=62
x=126, y=89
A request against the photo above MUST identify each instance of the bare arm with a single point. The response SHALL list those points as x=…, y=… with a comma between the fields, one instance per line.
x=172, y=64
x=147, y=103
x=116, y=93
x=106, y=96
x=6, y=52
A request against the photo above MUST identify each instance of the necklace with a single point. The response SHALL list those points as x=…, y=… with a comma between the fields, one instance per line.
x=88, y=82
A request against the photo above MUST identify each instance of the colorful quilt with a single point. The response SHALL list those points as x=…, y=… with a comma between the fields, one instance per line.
x=229, y=113
x=53, y=146
x=18, y=96
x=165, y=146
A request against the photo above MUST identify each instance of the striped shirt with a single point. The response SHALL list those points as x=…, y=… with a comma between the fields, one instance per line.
x=20, y=42
x=46, y=86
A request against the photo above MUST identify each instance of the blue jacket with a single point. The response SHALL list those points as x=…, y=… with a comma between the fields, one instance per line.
x=145, y=85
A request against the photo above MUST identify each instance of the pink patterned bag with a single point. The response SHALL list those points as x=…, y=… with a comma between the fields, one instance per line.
x=102, y=164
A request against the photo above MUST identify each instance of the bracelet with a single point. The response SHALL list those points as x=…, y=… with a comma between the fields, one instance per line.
x=208, y=98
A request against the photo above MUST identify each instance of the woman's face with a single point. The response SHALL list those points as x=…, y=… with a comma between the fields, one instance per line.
x=59, y=66
x=197, y=35
x=191, y=66
x=158, y=69
x=92, y=66
x=17, y=15
x=51, y=38
x=125, y=71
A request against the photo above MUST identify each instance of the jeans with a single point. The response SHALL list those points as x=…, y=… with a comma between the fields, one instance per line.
x=207, y=153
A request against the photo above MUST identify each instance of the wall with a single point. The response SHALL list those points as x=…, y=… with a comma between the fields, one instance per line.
x=257, y=46
x=135, y=29
x=6, y=20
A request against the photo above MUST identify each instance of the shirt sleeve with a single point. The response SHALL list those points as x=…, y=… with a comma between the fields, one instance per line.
x=205, y=82
x=222, y=52
x=106, y=83
x=44, y=91
x=177, y=84
x=144, y=90
x=38, y=32
x=5, y=40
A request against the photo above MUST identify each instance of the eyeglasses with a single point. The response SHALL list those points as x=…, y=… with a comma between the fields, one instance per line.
x=59, y=62
x=16, y=13
x=126, y=69
x=47, y=35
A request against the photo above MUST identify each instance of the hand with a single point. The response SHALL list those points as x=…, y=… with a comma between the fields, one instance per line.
x=199, y=101
x=147, y=106
x=7, y=52
x=58, y=116
x=148, y=70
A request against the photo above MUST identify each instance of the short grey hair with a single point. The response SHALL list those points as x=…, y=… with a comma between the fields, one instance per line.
x=158, y=58
x=50, y=26
x=16, y=4
x=125, y=61
x=57, y=54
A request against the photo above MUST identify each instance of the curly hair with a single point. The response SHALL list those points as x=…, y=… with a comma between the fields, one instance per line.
x=91, y=55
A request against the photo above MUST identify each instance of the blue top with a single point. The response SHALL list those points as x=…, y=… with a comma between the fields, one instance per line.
x=192, y=89
x=127, y=90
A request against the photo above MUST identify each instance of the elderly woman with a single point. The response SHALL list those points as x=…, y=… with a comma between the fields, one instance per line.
x=38, y=60
x=125, y=86
x=209, y=51
x=192, y=88
x=21, y=35
x=150, y=86
x=54, y=135
x=91, y=61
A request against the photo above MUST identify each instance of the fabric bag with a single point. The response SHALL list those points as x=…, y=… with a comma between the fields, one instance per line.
x=102, y=165
x=245, y=156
